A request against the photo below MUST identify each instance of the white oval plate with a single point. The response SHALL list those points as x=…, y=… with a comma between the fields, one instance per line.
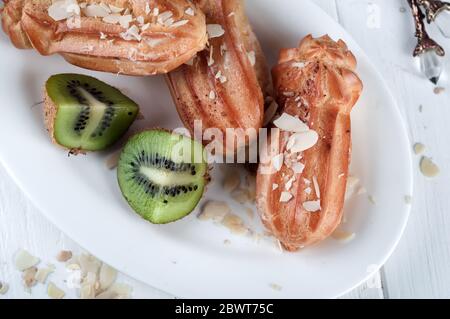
x=188, y=258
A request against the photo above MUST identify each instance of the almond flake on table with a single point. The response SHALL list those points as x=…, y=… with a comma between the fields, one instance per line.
x=214, y=210
x=428, y=168
x=54, y=292
x=24, y=260
x=289, y=123
x=64, y=255
x=214, y=30
x=285, y=197
x=3, y=288
x=299, y=142
x=235, y=224
x=419, y=148
x=312, y=206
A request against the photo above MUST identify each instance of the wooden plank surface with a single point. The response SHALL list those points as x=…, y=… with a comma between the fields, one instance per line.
x=418, y=268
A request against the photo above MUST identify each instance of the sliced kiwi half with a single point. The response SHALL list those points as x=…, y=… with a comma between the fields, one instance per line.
x=162, y=175
x=86, y=114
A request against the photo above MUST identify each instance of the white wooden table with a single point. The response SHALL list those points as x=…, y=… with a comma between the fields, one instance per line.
x=420, y=266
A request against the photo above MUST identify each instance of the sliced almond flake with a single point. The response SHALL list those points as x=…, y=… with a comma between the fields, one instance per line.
x=298, y=167
x=156, y=12
x=289, y=123
x=341, y=175
x=316, y=186
x=64, y=255
x=343, y=236
x=250, y=213
x=28, y=277
x=270, y=112
x=112, y=19
x=275, y=186
x=87, y=291
x=277, y=161
x=312, y=206
x=96, y=11
x=231, y=182
x=285, y=197
x=125, y=20
x=214, y=210
x=24, y=260
x=115, y=9
x=251, y=57
x=54, y=292
x=231, y=14
x=105, y=7
x=131, y=34
x=43, y=273
x=189, y=11
x=116, y=291
x=289, y=183
x=223, y=79
x=89, y=264
x=428, y=168
x=275, y=287
x=214, y=30
x=242, y=196
x=235, y=224
x=218, y=74
x=127, y=11
x=162, y=17
x=212, y=95
x=299, y=65
x=308, y=191
x=169, y=22
x=63, y=9
x=145, y=27
x=180, y=23
x=210, y=58
x=299, y=142
x=419, y=148
x=289, y=94
x=103, y=36
x=140, y=20
x=147, y=8
x=223, y=48
x=107, y=276
x=3, y=288
x=307, y=181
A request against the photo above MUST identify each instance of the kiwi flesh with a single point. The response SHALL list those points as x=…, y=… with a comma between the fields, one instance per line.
x=162, y=175
x=86, y=114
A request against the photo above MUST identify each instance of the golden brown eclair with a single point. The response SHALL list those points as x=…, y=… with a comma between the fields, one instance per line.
x=222, y=85
x=315, y=83
x=143, y=38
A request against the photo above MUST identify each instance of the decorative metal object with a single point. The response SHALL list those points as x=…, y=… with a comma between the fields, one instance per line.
x=428, y=51
x=439, y=13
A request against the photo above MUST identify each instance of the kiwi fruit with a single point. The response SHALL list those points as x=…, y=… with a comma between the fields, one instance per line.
x=85, y=114
x=162, y=175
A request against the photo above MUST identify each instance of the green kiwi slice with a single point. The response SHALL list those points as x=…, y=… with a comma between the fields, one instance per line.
x=162, y=175
x=86, y=114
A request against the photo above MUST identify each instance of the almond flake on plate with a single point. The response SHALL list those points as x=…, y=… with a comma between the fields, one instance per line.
x=231, y=182
x=419, y=148
x=312, y=206
x=343, y=236
x=29, y=277
x=107, y=276
x=214, y=30
x=235, y=224
x=214, y=210
x=289, y=123
x=25, y=260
